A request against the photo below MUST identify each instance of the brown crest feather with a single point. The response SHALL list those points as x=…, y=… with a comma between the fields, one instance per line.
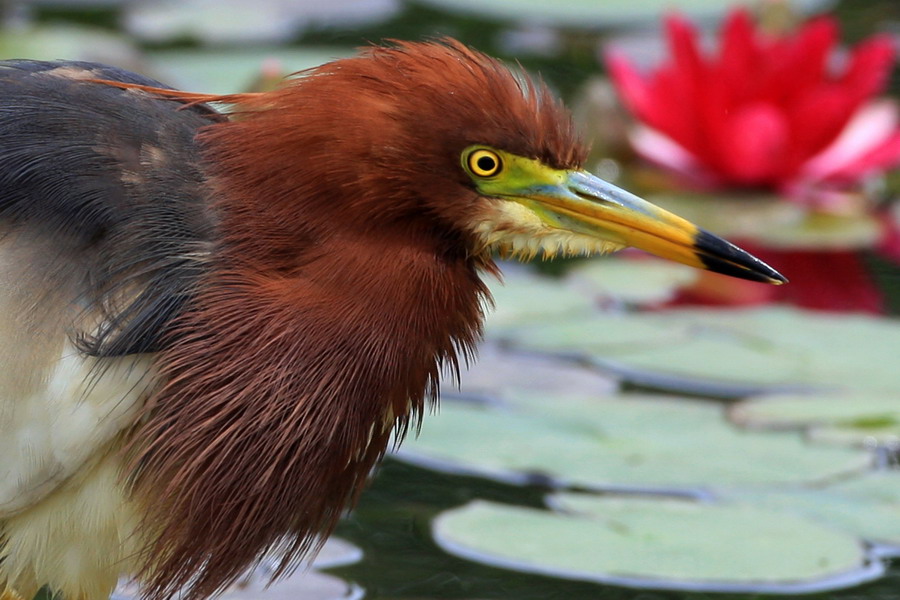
x=346, y=275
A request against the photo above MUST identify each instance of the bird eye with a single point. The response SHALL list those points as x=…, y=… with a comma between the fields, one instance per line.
x=484, y=163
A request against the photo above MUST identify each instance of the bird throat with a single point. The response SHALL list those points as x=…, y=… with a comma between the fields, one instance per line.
x=515, y=231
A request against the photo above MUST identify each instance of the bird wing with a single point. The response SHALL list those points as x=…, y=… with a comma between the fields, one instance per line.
x=104, y=232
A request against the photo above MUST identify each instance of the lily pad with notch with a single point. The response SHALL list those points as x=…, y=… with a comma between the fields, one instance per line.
x=660, y=543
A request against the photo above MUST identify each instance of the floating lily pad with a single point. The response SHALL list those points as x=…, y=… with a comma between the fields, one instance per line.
x=231, y=71
x=774, y=222
x=855, y=418
x=498, y=373
x=622, y=442
x=609, y=334
x=52, y=42
x=886, y=437
x=524, y=296
x=308, y=584
x=593, y=14
x=238, y=21
x=659, y=543
x=337, y=553
x=761, y=346
x=654, y=381
x=640, y=281
x=867, y=506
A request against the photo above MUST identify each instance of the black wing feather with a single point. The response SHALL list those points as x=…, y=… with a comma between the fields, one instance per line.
x=114, y=177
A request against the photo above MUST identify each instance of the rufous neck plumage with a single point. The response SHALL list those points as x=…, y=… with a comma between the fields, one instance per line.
x=306, y=346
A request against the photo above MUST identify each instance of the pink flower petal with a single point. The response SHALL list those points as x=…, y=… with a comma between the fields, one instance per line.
x=768, y=111
x=739, y=47
x=883, y=157
x=814, y=43
x=816, y=119
x=665, y=152
x=738, y=58
x=683, y=43
x=713, y=110
x=632, y=88
x=654, y=100
x=672, y=113
x=871, y=127
x=758, y=134
x=800, y=67
x=685, y=78
x=870, y=66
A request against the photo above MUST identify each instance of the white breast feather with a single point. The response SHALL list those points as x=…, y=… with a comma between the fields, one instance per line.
x=48, y=432
x=65, y=519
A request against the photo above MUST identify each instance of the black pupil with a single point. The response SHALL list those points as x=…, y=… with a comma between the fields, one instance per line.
x=486, y=163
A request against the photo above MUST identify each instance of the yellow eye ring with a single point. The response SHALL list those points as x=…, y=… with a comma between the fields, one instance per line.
x=484, y=163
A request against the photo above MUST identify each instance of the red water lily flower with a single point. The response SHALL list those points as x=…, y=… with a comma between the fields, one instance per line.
x=786, y=113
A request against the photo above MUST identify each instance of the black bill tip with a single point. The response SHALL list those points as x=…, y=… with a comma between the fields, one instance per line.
x=720, y=256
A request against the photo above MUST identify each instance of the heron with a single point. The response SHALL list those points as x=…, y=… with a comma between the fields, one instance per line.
x=215, y=319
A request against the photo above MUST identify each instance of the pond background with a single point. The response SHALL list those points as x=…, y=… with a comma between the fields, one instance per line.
x=233, y=45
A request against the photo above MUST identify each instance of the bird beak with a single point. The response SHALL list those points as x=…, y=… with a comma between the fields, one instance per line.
x=584, y=204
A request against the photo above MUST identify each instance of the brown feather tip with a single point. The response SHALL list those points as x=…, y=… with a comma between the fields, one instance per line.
x=188, y=98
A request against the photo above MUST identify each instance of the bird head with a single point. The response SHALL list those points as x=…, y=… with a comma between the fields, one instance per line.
x=440, y=138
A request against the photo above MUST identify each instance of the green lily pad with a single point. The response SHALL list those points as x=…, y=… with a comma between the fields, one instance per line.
x=231, y=71
x=498, y=374
x=308, y=584
x=882, y=436
x=217, y=22
x=609, y=334
x=337, y=553
x=867, y=506
x=644, y=281
x=774, y=346
x=854, y=418
x=882, y=487
x=524, y=297
x=631, y=442
x=592, y=14
x=774, y=222
x=659, y=543
x=52, y=42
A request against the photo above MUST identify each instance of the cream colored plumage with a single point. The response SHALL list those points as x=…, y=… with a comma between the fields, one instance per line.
x=64, y=517
x=95, y=258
